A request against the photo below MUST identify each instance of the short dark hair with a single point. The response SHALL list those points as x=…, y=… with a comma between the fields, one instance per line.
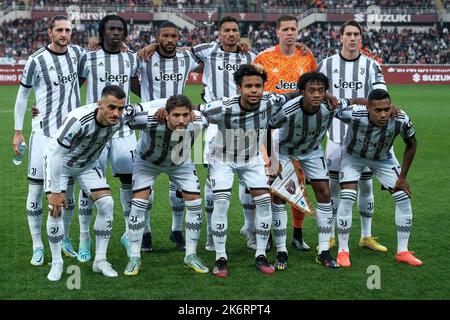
x=352, y=23
x=312, y=77
x=114, y=91
x=102, y=26
x=167, y=24
x=378, y=94
x=248, y=70
x=178, y=100
x=285, y=17
x=227, y=19
x=56, y=18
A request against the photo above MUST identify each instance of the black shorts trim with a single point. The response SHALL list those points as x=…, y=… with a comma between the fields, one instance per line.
x=265, y=189
x=189, y=192
x=222, y=190
x=100, y=189
x=345, y=182
x=319, y=180
x=36, y=181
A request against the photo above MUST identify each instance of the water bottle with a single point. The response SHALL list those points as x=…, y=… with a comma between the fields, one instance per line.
x=17, y=160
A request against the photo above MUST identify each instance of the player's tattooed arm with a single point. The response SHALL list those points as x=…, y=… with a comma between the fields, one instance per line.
x=408, y=157
x=303, y=47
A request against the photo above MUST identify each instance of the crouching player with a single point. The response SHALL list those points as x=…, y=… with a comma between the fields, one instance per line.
x=372, y=131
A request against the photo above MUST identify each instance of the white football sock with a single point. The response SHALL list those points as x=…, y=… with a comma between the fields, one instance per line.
x=34, y=213
x=403, y=219
x=249, y=207
x=365, y=205
x=55, y=234
x=148, y=212
x=344, y=217
x=178, y=205
x=279, y=223
x=324, y=222
x=209, y=206
x=125, y=199
x=194, y=218
x=219, y=222
x=263, y=222
x=136, y=225
x=85, y=206
x=335, y=190
x=103, y=226
x=68, y=213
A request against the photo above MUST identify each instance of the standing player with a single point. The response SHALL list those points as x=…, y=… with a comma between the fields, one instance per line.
x=165, y=148
x=220, y=60
x=351, y=74
x=164, y=76
x=369, y=141
x=110, y=66
x=284, y=64
x=53, y=72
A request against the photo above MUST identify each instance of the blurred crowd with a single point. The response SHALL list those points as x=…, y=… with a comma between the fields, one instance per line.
x=21, y=37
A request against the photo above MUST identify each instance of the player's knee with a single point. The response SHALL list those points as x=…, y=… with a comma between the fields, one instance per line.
x=105, y=205
x=365, y=186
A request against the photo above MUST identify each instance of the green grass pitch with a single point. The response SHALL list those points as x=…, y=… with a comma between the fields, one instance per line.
x=164, y=277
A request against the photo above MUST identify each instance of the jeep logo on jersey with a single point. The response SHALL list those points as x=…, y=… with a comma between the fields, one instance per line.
x=169, y=77
x=286, y=85
x=228, y=66
x=349, y=84
x=64, y=79
x=120, y=78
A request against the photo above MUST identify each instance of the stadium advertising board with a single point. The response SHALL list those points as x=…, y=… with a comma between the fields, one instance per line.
x=10, y=74
x=383, y=18
x=417, y=74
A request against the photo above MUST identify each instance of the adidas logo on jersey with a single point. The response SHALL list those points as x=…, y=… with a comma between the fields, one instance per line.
x=275, y=70
x=156, y=64
x=335, y=71
x=51, y=68
x=100, y=64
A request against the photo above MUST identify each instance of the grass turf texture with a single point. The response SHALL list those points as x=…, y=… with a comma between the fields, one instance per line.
x=163, y=275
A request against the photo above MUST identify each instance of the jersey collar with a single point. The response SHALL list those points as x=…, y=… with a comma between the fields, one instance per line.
x=349, y=60
x=54, y=52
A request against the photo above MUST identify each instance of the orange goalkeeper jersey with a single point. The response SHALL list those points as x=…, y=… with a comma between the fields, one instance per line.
x=283, y=72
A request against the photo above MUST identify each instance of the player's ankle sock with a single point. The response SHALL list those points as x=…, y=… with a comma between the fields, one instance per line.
x=103, y=226
x=219, y=222
x=279, y=223
x=403, y=219
x=55, y=234
x=68, y=213
x=148, y=213
x=263, y=222
x=194, y=219
x=34, y=213
x=324, y=215
x=136, y=225
x=335, y=190
x=248, y=206
x=209, y=206
x=365, y=205
x=85, y=206
x=177, y=202
x=344, y=217
x=125, y=199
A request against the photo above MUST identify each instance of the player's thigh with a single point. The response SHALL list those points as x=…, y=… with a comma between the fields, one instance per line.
x=185, y=178
x=144, y=175
x=48, y=183
x=253, y=175
x=333, y=155
x=91, y=179
x=221, y=176
x=37, y=144
x=121, y=155
x=351, y=169
x=387, y=172
x=315, y=166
